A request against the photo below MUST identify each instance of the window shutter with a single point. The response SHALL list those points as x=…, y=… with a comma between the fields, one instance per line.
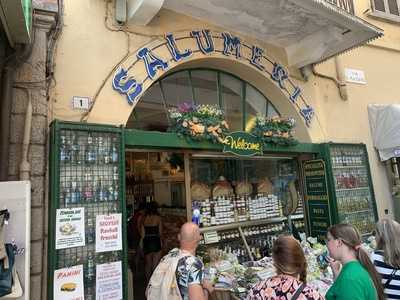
x=379, y=5
x=393, y=8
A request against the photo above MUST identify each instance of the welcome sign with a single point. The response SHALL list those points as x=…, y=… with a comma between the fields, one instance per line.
x=161, y=55
x=242, y=144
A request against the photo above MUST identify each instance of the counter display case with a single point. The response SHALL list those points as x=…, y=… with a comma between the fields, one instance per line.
x=242, y=203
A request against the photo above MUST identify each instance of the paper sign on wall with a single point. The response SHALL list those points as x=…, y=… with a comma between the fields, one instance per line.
x=68, y=283
x=70, y=227
x=108, y=233
x=109, y=281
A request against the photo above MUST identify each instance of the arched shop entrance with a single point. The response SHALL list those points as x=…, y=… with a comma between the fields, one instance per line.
x=230, y=191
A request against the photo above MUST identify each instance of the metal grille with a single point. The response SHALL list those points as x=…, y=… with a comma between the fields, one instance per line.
x=89, y=177
x=353, y=187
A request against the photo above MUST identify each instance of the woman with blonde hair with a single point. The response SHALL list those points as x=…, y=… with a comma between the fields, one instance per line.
x=354, y=273
x=290, y=283
x=386, y=257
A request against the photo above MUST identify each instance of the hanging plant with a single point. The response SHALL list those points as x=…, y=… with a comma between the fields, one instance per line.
x=275, y=130
x=198, y=122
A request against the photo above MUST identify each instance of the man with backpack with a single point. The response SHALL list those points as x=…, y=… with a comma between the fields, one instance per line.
x=179, y=275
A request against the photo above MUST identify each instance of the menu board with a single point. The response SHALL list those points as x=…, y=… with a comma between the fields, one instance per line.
x=317, y=197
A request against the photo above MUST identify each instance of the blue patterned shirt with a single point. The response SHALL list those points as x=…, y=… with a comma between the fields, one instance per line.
x=188, y=271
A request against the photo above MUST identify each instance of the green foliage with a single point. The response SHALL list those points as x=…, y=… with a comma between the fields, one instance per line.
x=198, y=122
x=275, y=130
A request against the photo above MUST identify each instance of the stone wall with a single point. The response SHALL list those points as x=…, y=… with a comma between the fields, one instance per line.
x=31, y=85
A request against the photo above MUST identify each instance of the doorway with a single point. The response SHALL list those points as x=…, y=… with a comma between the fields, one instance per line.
x=153, y=178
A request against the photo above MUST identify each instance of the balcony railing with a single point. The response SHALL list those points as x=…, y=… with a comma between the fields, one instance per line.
x=347, y=5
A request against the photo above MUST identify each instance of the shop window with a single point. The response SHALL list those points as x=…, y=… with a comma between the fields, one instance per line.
x=387, y=9
x=245, y=180
x=256, y=105
x=150, y=113
x=231, y=97
x=271, y=111
x=239, y=100
x=177, y=89
x=205, y=87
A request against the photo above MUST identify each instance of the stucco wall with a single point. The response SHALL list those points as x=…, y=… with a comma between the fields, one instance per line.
x=91, y=47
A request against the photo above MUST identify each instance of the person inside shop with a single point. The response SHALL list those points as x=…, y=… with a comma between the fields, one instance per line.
x=151, y=232
x=291, y=279
x=354, y=273
x=386, y=257
x=134, y=236
x=189, y=270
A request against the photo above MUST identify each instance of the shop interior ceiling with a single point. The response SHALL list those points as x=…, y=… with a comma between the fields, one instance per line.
x=310, y=31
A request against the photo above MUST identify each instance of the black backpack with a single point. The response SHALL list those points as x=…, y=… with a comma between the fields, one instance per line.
x=6, y=278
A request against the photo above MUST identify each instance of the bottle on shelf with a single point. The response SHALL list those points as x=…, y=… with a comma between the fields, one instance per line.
x=75, y=192
x=90, y=155
x=75, y=150
x=100, y=149
x=64, y=149
x=114, y=150
x=88, y=193
x=91, y=272
x=101, y=191
x=66, y=193
x=90, y=231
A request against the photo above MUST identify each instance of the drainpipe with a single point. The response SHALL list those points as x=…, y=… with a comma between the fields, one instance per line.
x=12, y=63
x=339, y=80
x=25, y=167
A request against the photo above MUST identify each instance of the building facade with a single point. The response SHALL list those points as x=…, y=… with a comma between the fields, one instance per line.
x=319, y=62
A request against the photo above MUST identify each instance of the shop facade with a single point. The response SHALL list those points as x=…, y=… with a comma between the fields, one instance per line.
x=111, y=147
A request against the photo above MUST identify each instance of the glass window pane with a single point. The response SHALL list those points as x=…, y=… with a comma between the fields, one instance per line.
x=177, y=89
x=256, y=105
x=379, y=5
x=271, y=111
x=394, y=10
x=231, y=90
x=205, y=86
x=149, y=113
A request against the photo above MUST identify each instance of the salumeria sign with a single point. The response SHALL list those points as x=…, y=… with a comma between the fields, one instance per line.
x=129, y=81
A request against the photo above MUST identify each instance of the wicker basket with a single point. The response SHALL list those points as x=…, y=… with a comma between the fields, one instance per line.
x=221, y=294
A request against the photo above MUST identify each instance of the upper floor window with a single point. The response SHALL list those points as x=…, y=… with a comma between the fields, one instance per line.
x=346, y=5
x=240, y=101
x=387, y=9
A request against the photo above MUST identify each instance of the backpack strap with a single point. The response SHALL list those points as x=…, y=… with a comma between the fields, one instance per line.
x=298, y=291
x=386, y=285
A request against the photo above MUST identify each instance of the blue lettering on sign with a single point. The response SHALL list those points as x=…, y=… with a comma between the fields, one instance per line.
x=256, y=55
x=231, y=43
x=209, y=47
x=173, y=48
x=297, y=92
x=151, y=62
x=127, y=86
x=307, y=113
x=279, y=75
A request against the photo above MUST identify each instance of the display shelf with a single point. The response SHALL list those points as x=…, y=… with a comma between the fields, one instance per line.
x=356, y=212
x=249, y=223
x=353, y=189
x=348, y=167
